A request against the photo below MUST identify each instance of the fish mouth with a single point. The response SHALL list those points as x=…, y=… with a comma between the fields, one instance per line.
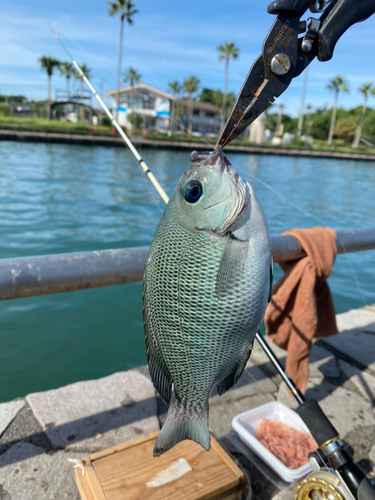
x=218, y=159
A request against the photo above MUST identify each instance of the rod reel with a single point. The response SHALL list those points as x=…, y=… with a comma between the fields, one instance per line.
x=335, y=476
x=324, y=483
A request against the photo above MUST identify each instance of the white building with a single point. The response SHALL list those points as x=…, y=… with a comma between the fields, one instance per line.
x=150, y=104
x=205, y=118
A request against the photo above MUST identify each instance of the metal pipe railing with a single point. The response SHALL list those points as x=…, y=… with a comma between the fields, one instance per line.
x=48, y=274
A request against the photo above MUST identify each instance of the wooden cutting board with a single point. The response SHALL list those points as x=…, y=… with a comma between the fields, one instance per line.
x=122, y=473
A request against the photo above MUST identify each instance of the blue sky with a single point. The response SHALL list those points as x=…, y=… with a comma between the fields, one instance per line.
x=169, y=40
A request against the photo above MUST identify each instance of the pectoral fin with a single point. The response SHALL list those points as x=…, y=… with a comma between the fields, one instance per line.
x=231, y=263
x=234, y=375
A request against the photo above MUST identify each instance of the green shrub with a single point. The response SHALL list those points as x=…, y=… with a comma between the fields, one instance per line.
x=5, y=110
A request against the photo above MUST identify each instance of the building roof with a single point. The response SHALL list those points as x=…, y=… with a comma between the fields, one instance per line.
x=142, y=86
x=204, y=106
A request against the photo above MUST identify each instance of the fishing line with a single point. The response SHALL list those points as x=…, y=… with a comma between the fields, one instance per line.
x=258, y=382
x=71, y=40
x=141, y=163
x=283, y=198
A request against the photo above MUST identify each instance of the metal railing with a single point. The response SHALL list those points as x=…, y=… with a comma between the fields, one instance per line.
x=67, y=272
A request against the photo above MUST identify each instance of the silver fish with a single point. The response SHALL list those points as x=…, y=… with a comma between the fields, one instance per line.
x=207, y=281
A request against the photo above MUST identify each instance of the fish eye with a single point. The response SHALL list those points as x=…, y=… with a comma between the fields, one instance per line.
x=192, y=191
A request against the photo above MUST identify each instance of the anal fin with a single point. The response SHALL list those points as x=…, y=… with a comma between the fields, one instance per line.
x=160, y=378
x=235, y=374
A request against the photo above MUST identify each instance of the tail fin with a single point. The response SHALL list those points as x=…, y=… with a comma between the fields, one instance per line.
x=183, y=423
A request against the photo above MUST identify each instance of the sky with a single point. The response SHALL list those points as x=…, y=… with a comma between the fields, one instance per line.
x=169, y=40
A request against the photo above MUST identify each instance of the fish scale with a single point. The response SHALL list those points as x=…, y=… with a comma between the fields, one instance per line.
x=196, y=334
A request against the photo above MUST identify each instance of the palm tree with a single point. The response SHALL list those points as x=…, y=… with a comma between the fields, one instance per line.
x=366, y=89
x=66, y=69
x=227, y=51
x=181, y=112
x=336, y=85
x=308, y=121
x=175, y=88
x=86, y=71
x=49, y=63
x=126, y=10
x=132, y=76
x=191, y=85
x=279, y=119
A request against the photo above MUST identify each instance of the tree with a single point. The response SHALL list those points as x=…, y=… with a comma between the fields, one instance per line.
x=49, y=63
x=215, y=97
x=308, y=121
x=66, y=69
x=181, y=112
x=86, y=71
x=278, y=130
x=226, y=51
x=132, y=76
x=126, y=10
x=337, y=84
x=191, y=85
x=366, y=89
x=175, y=88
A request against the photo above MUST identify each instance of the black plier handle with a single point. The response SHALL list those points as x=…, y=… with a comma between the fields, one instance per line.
x=286, y=54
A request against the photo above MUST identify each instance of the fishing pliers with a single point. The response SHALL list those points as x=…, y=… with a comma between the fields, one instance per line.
x=288, y=49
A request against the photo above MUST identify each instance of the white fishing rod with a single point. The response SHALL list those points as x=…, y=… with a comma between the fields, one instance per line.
x=125, y=138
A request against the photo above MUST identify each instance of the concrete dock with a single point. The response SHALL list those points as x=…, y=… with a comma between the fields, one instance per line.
x=89, y=139
x=41, y=435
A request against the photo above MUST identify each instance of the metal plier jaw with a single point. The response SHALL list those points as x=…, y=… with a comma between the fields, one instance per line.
x=285, y=55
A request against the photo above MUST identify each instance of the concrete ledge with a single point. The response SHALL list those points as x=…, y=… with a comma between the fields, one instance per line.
x=97, y=140
x=75, y=420
x=28, y=473
x=8, y=412
x=95, y=415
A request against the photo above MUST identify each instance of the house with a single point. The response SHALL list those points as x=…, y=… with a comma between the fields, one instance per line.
x=152, y=106
x=205, y=118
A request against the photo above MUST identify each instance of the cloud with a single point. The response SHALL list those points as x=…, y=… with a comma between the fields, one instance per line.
x=168, y=41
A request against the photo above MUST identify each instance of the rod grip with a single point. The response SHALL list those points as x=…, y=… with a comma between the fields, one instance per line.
x=337, y=18
x=318, y=424
x=355, y=479
x=366, y=491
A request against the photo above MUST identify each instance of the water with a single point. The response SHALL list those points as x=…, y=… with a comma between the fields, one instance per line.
x=61, y=198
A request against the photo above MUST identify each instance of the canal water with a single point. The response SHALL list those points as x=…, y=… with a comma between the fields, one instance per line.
x=64, y=198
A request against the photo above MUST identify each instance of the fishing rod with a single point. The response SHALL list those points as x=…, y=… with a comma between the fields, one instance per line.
x=142, y=164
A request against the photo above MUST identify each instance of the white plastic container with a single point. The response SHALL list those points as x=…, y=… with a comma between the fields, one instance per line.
x=245, y=425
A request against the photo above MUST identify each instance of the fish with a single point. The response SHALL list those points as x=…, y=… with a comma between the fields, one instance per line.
x=206, y=285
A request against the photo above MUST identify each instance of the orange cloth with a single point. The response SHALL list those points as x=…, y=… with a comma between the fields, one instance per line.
x=301, y=306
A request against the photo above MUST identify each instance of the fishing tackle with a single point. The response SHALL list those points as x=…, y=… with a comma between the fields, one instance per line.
x=285, y=55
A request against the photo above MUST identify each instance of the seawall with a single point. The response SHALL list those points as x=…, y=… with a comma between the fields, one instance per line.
x=97, y=140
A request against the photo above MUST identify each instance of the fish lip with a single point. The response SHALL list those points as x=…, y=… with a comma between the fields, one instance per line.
x=210, y=158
